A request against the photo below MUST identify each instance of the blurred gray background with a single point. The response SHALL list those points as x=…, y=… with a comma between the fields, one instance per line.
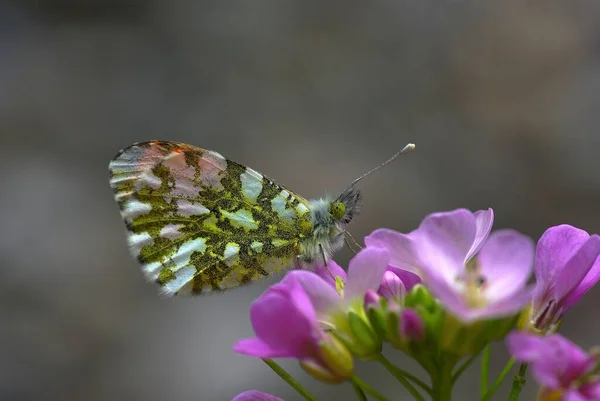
x=501, y=98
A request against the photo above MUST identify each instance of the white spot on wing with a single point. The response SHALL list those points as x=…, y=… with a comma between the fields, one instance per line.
x=138, y=241
x=301, y=208
x=134, y=208
x=186, y=208
x=211, y=165
x=182, y=277
x=151, y=270
x=171, y=231
x=148, y=179
x=279, y=242
x=195, y=245
x=176, y=163
x=278, y=204
x=231, y=254
x=251, y=184
x=256, y=246
x=184, y=187
x=240, y=218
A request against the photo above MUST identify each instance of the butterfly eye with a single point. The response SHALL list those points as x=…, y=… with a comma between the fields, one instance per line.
x=338, y=209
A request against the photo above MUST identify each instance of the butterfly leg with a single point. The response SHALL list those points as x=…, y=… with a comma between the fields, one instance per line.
x=353, y=240
x=326, y=261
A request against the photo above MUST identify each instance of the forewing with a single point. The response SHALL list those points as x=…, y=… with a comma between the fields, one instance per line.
x=198, y=222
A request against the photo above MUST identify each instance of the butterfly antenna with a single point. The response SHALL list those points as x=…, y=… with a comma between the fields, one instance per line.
x=404, y=151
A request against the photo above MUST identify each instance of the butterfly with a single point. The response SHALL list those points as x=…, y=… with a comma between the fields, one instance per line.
x=198, y=222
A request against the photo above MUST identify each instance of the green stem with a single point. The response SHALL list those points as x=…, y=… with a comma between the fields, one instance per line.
x=290, y=380
x=360, y=394
x=356, y=381
x=518, y=383
x=442, y=381
x=402, y=376
x=485, y=369
x=499, y=380
x=463, y=367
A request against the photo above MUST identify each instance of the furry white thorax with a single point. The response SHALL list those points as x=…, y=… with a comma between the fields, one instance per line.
x=328, y=232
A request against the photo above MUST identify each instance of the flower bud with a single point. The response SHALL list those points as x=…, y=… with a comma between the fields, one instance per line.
x=336, y=364
x=392, y=333
x=372, y=299
x=392, y=288
x=420, y=296
x=366, y=342
x=375, y=307
x=411, y=325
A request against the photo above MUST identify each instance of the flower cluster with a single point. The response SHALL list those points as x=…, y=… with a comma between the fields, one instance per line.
x=441, y=294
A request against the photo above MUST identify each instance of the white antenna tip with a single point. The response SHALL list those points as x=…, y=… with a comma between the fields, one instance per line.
x=407, y=148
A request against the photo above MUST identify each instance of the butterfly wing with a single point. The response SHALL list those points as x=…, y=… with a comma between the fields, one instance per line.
x=198, y=222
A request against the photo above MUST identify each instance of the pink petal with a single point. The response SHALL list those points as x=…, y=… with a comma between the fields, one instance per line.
x=578, y=266
x=392, y=288
x=448, y=295
x=484, y=220
x=506, y=261
x=554, y=249
x=401, y=247
x=556, y=361
x=330, y=271
x=444, y=242
x=525, y=347
x=590, y=279
x=574, y=395
x=590, y=390
x=322, y=295
x=574, y=362
x=287, y=302
x=259, y=349
x=365, y=272
x=255, y=395
x=408, y=278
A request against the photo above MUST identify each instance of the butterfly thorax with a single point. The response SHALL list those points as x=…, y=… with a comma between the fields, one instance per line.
x=329, y=217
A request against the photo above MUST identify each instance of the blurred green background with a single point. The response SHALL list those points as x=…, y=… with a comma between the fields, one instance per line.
x=501, y=97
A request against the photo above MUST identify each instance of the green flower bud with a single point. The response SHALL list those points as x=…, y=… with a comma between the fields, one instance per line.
x=336, y=364
x=367, y=343
x=420, y=297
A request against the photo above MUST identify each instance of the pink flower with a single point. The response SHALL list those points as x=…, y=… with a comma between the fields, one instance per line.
x=566, y=267
x=559, y=366
x=298, y=338
x=286, y=326
x=255, y=395
x=474, y=274
x=365, y=272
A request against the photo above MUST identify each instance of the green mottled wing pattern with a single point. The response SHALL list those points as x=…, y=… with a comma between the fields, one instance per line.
x=198, y=222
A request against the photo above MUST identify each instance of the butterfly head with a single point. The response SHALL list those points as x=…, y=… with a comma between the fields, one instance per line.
x=346, y=205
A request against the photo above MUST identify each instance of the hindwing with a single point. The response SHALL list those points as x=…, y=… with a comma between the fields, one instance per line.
x=198, y=222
